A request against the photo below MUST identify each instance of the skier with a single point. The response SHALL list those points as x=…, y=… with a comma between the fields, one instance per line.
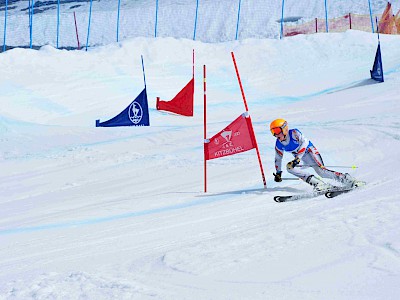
x=305, y=152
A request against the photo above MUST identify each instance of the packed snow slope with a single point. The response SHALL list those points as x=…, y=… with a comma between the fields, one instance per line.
x=120, y=213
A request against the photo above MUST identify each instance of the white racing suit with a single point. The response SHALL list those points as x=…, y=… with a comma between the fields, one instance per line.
x=309, y=156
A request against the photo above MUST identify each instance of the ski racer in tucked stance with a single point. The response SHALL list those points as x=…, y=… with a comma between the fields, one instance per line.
x=304, y=152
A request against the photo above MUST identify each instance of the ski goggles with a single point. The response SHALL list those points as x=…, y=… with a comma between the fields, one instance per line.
x=276, y=130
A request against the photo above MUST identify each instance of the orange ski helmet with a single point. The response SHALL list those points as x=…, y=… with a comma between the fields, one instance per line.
x=277, y=126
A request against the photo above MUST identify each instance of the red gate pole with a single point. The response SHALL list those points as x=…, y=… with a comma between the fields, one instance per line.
x=193, y=64
x=205, y=131
x=247, y=110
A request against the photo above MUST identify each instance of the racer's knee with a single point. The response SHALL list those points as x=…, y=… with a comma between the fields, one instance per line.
x=320, y=171
x=290, y=170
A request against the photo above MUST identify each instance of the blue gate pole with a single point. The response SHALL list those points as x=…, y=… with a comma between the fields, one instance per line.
x=31, y=24
x=144, y=74
x=119, y=6
x=283, y=5
x=155, y=27
x=370, y=14
x=5, y=26
x=29, y=13
x=88, y=30
x=238, y=20
x=195, y=20
x=58, y=20
x=326, y=17
x=377, y=28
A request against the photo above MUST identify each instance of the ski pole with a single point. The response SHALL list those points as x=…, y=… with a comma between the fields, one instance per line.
x=289, y=178
x=345, y=167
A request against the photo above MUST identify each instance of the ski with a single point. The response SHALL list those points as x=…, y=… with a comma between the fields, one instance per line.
x=335, y=191
x=297, y=196
x=332, y=194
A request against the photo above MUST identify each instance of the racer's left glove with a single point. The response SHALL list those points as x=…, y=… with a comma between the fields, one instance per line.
x=293, y=163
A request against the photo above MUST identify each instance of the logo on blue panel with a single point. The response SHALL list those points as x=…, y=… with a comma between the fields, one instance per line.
x=135, y=112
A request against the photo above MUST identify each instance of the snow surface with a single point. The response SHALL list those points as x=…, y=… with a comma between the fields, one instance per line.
x=120, y=213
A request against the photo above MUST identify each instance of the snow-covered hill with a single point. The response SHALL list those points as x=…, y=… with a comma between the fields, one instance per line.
x=120, y=213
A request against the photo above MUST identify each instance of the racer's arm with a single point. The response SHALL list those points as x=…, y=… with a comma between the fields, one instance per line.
x=278, y=159
x=303, y=141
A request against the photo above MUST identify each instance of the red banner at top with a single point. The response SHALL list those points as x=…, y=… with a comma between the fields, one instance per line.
x=237, y=137
x=182, y=103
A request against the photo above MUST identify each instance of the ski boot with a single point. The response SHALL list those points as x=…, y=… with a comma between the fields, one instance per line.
x=318, y=184
x=350, y=182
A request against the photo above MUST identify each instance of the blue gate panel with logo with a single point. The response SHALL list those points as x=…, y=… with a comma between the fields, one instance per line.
x=377, y=69
x=136, y=114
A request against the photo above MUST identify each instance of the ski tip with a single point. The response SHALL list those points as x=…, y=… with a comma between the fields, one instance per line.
x=329, y=195
x=279, y=199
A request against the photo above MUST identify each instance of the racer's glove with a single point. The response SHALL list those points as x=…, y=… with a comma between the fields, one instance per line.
x=293, y=163
x=278, y=176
